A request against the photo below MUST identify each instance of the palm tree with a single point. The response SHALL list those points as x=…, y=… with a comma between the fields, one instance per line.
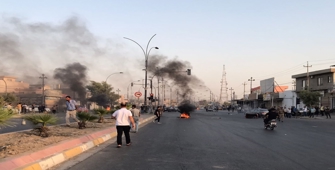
x=43, y=120
x=5, y=115
x=101, y=113
x=84, y=117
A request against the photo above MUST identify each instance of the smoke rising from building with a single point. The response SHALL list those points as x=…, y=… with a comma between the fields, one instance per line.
x=74, y=76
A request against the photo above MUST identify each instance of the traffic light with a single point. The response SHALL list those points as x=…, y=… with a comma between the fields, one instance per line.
x=189, y=72
x=132, y=84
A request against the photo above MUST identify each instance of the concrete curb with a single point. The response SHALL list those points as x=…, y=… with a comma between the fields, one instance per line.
x=58, y=153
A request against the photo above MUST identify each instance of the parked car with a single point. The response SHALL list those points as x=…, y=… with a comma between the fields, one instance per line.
x=172, y=109
x=256, y=113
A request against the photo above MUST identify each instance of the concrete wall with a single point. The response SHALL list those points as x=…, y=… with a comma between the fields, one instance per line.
x=314, y=80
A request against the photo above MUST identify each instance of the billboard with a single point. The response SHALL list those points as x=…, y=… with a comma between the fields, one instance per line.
x=267, y=85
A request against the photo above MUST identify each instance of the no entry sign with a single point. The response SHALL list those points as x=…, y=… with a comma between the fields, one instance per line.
x=138, y=94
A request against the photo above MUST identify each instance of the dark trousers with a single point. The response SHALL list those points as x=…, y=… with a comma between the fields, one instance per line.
x=158, y=118
x=120, y=130
x=328, y=115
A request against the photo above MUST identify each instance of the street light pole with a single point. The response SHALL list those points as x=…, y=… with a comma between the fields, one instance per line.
x=146, y=55
x=106, y=92
x=5, y=85
x=43, y=97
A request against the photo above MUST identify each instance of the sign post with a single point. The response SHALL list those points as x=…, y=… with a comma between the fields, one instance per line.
x=138, y=95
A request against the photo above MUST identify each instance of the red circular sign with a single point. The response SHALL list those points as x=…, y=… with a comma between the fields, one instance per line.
x=138, y=94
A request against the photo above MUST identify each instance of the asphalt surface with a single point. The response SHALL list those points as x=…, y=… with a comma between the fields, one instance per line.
x=17, y=124
x=216, y=140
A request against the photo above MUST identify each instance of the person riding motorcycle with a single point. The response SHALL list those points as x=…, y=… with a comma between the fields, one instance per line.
x=272, y=114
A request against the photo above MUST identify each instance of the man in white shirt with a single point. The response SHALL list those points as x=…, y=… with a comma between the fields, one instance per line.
x=123, y=119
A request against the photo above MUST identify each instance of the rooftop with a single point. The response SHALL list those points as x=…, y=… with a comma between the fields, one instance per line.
x=325, y=71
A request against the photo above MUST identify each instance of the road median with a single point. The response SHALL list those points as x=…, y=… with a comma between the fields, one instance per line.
x=60, y=152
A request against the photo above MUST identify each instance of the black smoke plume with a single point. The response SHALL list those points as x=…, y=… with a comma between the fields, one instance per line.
x=28, y=49
x=74, y=76
x=186, y=107
x=174, y=70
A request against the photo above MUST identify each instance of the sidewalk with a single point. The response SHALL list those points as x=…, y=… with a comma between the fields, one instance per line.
x=55, y=154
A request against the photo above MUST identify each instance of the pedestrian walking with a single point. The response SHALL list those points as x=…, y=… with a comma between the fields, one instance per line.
x=33, y=108
x=281, y=114
x=158, y=115
x=19, y=108
x=327, y=112
x=54, y=109
x=123, y=119
x=71, y=110
x=136, y=115
x=322, y=110
x=289, y=112
x=312, y=112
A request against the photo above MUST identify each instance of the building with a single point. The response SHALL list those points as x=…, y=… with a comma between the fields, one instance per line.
x=321, y=81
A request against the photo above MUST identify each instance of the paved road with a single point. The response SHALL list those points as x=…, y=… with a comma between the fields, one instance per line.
x=221, y=141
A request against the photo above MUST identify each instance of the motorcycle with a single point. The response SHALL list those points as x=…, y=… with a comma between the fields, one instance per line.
x=271, y=124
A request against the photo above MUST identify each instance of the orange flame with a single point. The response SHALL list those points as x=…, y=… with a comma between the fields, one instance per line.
x=184, y=115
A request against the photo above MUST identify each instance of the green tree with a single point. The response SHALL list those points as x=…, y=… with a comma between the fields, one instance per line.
x=102, y=93
x=310, y=98
x=8, y=98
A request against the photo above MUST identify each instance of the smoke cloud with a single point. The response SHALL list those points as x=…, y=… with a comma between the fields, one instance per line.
x=28, y=49
x=74, y=76
x=174, y=70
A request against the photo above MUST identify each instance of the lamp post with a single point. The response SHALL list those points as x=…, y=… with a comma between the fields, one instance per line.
x=146, y=53
x=5, y=85
x=106, y=92
x=43, y=97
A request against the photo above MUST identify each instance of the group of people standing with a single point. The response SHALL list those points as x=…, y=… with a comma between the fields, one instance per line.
x=316, y=111
x=288, y=112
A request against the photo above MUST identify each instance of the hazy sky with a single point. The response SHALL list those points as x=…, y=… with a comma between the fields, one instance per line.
x=258, y=38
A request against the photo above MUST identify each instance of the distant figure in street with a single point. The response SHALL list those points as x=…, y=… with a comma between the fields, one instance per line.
x=19, y=108
x=24, y=108
x=9, y=106
x=289, y=112
x=322, y=110
x=54, y=109
x=312, y=112
x=327, y=112
x=158, y=115
x=33, y=108
x=123, y=119
x=136, y=115
x=71, y=110
x=281, y=114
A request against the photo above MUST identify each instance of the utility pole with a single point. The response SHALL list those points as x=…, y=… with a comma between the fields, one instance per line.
x=307, y=83
x=43, y=97
x=251, y=80
x=231, y=95
x=244, y=84
x=118, y=93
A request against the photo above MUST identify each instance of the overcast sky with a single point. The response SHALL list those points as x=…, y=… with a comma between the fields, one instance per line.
x=258, y=38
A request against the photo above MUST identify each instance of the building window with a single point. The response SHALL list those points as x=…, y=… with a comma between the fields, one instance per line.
x=320, y=81
x=329, y=79
x=303, y=84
